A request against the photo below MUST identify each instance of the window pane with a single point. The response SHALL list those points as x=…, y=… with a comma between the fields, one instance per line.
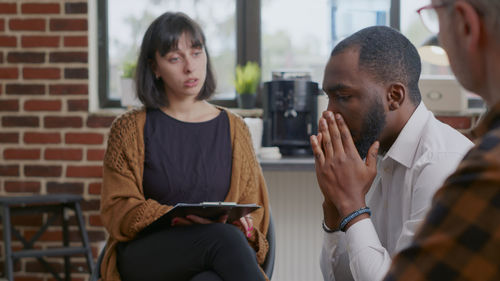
x=129, y=19
x=302, y=37
x=295, y=35
x=413, y=28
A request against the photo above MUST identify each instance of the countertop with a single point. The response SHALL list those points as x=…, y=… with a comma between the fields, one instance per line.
x=288, y=163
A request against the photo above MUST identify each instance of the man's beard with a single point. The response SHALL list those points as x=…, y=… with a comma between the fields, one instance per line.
x=373, y=124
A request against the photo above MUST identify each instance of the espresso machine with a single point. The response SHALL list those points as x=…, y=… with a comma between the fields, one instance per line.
x=290, y=113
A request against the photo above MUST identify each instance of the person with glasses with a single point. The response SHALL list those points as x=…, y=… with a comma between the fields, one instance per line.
x=371, y=80
x=460, y=237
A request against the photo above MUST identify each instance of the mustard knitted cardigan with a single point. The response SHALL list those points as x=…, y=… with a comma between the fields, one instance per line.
x=125, y=211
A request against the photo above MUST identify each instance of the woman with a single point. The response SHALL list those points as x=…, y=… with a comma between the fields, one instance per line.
x=180, y=148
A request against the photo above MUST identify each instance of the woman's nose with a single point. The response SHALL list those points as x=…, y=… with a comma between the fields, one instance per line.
x=188, y=65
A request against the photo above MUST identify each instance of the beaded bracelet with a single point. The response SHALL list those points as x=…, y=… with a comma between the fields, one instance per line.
x=352, y=215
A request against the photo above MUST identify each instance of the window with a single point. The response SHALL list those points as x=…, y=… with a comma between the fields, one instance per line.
x=412, y=27
x=122, y=24
x=302, y=37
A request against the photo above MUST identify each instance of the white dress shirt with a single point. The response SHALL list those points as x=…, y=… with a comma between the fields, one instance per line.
x=425, y=153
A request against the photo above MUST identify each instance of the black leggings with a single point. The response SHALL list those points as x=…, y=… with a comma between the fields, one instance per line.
x=198, y=252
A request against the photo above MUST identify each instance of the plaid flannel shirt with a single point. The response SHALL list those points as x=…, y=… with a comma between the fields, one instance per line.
x=460, y=237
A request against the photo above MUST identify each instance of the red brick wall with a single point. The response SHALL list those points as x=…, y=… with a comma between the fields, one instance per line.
x=49, y=143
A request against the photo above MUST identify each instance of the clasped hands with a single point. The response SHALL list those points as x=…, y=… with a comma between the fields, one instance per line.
x=245, y=223
x=343, y=177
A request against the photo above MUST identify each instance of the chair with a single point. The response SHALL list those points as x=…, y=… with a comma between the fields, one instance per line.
x=268, y=264
x=55, y=204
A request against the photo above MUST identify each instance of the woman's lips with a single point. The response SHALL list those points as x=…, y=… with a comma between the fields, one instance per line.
x=190, y=83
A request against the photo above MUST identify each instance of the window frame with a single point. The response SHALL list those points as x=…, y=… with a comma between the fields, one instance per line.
x=248, y=45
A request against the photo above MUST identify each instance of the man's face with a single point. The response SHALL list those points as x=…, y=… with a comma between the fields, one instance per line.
x=357, y=96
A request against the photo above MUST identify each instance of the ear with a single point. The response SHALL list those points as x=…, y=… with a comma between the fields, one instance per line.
x=396, y=95
x=469, y=25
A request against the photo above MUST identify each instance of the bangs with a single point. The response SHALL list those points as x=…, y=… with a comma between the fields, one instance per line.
x=169, y=41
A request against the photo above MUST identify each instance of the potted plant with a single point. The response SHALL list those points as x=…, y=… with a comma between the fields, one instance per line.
x=246, y=83
x=127, y=85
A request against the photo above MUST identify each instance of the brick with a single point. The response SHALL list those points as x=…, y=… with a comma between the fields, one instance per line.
x=43, y=105
x=95, y=154
x=8, y=8
x=25, y=89
x=76, y=73
x=47, y=236
x=75, y=8
x=84, y=171
x=27, y=24
x=91, y=205
x=9, y=105
x=8, y=41
x=65, y=187
x=84, y=138
x=9, y=137
x=75, y=41
x=62, y=122
x=69, y=89
x=95, y=188
x=68, y=25
x=69, y=154
x=68, y=57
x=1, y=61
x=100, y=121
x=25, y=57
x=35, y=220
x=9, y=170
x=42, y=171
x=95, y=220
x=21, y=154
x=78, y=105
x=2, y=25
x=42, y=138
x=9, y=73
x=20, y=121
x=40, y=41
x=40, y=8
x=22, y=186
x=457, y=122
x=41, y=73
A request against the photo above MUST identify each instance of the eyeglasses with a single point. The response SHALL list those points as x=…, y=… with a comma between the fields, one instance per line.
x=429, y=16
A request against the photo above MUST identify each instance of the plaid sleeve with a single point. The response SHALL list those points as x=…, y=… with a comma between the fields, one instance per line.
x=460, y=238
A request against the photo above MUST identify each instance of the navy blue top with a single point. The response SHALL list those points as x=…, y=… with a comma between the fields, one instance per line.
x=186, y=162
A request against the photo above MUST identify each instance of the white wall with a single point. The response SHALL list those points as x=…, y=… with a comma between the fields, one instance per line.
x=296, y=201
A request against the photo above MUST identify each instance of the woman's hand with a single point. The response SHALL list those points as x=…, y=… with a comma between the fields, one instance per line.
x=246, y=223
x=192, y=219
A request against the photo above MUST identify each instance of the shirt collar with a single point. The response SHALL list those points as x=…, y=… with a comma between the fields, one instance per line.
x=404, y=148
x=489, y=121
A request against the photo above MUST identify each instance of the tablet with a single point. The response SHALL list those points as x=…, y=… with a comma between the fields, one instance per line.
x=212, y=210
x=209, y=210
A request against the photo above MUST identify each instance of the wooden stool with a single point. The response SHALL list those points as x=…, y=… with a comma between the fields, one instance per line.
x=56, y=204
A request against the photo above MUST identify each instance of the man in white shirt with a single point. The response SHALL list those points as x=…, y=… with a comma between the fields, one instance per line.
x=373, y=207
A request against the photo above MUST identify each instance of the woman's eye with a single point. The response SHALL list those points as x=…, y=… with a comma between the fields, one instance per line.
x=197, y=53
x=174, y=59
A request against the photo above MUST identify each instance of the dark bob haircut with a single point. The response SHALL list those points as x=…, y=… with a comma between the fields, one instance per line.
x=162, y=36
x=387, y=55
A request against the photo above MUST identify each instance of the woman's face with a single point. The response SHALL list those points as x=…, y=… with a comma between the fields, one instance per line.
x=182, y=70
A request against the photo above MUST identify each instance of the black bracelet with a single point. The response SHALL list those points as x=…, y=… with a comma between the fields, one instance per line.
x=327, y=229
x=353, y=215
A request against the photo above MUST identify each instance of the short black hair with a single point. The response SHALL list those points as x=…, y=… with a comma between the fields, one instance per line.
x=162, y=36
x=387, y=55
